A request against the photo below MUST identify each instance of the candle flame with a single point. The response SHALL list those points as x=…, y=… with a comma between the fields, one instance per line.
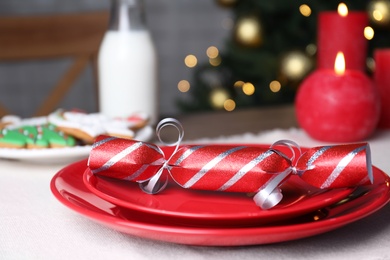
x=342, y=9
x=339, y=64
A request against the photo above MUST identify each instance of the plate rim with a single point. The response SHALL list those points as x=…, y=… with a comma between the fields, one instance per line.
x=222, y=236
x=340, y=194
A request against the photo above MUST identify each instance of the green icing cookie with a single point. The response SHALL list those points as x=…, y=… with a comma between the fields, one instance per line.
x=35, y=136
x=13, y=138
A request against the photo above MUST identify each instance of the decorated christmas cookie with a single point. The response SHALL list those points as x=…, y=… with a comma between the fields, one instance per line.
x=88, y=126
x=65, y=129
x=135, y=121
x=13, y=138
x=9, y=120
x=45, y=136
x=40, y=136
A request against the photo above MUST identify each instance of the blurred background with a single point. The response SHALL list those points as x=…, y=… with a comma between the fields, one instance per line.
x=178, y=28
x=212, y=54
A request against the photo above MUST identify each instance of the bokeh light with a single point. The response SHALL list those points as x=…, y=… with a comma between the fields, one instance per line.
x=190, y=61
x=183, y=86
x=379, y=11
x=215, y=61
x=229, y=105
x=311, y=49
x=248, y=88
x=275, y=86
x=369, y=33
x=239, y=83
x=305, y=10
x=218, y=97
x=212, y=52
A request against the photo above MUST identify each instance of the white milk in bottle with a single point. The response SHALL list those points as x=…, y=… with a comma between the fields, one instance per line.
x=127, y=64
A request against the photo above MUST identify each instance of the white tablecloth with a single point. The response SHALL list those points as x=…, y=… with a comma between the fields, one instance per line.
x=34, y=225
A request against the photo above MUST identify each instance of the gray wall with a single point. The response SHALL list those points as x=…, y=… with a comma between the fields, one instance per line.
x=179, y=27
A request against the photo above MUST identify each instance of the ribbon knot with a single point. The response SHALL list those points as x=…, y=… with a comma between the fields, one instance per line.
x=270, y=194
x=159, y=181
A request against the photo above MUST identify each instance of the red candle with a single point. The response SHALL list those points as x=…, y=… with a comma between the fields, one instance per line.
x=342, y=31
x=382, y=82
x=338, y=105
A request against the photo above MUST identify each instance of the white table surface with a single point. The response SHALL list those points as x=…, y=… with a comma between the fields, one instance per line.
x=34, y=225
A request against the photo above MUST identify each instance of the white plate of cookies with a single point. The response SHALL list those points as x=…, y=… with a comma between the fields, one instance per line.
x=64, y=136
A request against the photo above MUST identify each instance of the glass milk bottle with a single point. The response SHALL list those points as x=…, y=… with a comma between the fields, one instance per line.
x=127, y=64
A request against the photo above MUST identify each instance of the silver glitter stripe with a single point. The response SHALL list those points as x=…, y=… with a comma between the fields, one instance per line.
x=316, y=155
x=141, y=170
x=96, y=144
x=137, y=173
x=244, y=170
x=118, y=157
x=158, y=150
x=187, y=153
x=340, y=167
x=210, y=165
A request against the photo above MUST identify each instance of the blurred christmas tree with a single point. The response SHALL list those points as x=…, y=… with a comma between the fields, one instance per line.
x=272, y=49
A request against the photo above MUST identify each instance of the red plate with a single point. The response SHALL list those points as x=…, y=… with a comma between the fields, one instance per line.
x=210, y=208
x=68, y=187
x=195, y=207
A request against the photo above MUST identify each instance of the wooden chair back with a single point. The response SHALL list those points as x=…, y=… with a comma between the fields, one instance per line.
x=54, y=36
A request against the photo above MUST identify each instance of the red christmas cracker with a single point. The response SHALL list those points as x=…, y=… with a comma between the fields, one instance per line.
x=231, y=168
x=125, y=159
x=336, y=166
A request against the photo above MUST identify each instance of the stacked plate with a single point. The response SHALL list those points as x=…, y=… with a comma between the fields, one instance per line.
x=215, y=218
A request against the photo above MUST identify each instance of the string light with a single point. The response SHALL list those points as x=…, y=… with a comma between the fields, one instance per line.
x=239, y=84
x=380, y=11
x=275, y=86
x=248, y=89
x=370, y=62
x=218, y=97
x=369, y=33
x=229, y=105
x=248, y=31
x=183, y=86
x=190, y=61
x=305, y=10
x=377, y=15
x=212, y=52
x=295, y=65
x=311, y=49
x=215, y=61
